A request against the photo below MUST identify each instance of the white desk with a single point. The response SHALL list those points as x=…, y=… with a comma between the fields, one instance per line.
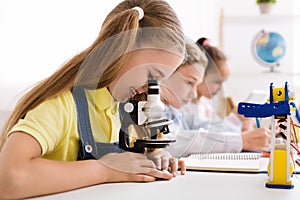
x=193, y=185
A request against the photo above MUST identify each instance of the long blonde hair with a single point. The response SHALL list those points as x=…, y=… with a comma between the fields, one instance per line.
x=86, y=68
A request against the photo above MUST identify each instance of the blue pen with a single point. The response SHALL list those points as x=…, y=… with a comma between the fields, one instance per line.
x=257, y=122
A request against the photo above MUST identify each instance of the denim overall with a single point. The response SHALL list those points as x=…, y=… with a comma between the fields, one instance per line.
x=88, y=148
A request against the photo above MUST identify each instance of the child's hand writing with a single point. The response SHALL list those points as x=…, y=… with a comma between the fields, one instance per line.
x=256, y=139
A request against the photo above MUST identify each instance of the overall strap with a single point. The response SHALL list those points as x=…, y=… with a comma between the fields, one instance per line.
x=87, y=147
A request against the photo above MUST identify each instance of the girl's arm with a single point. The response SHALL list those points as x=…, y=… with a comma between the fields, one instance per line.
x=23, y=173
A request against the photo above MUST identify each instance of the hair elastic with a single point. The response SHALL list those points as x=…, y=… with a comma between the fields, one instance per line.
x=206, y=43
x=203, y=42
x=140, y=11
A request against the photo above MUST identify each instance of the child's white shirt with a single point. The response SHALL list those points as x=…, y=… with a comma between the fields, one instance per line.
x=195, y=133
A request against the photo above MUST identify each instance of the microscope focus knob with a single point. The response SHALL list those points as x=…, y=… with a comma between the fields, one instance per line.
x=128, y=107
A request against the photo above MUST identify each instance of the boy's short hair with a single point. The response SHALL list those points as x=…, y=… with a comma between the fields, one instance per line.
x=194, y=54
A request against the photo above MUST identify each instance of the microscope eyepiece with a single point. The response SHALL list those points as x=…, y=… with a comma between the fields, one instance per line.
x=153, y=87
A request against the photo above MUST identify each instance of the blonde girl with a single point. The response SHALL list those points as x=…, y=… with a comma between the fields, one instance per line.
x=40, y=141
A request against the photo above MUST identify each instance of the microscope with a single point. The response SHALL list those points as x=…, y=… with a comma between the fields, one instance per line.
x=144, y=118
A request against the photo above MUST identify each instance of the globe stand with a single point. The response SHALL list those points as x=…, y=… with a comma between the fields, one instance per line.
x=273, y=67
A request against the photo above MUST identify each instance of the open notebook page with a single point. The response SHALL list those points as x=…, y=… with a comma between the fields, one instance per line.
x=230, y=162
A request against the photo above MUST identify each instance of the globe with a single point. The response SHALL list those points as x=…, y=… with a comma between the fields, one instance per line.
x=269, y=48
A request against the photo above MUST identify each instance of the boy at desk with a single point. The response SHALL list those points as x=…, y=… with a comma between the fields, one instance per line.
x=40, y=143
x=181, y=87
x=199, y=132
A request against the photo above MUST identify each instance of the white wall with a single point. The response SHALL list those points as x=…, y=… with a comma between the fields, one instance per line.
x=37, y=36
x=242, y=21
x=199, y=18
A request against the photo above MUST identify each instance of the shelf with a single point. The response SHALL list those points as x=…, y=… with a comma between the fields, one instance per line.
x=261, y=18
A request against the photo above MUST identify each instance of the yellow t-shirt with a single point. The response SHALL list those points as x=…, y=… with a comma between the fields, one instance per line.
x=53, y=123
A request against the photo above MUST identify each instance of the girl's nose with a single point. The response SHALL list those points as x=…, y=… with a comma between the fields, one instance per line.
x=193, y=93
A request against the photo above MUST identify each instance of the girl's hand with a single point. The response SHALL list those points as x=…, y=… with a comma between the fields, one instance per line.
x=128, y=162
x=130, y=166
x=165, y=161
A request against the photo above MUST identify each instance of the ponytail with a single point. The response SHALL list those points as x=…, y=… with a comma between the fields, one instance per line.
x=213, y=54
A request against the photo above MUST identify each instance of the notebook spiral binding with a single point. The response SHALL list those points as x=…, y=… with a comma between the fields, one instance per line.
x=226, y=156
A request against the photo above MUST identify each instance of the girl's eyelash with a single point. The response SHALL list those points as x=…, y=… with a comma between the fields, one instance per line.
x=190, y=82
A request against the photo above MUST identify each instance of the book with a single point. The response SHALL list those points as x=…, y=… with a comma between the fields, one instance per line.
x=257, y=96
x=224, y=162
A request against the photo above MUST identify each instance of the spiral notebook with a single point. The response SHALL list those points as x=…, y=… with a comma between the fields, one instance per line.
x=224, y=162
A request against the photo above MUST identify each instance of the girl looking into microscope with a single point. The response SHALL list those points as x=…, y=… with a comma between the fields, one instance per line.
x=40, y=142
